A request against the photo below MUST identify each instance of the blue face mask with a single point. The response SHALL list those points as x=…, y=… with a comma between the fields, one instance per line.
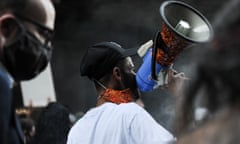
x=26, y=57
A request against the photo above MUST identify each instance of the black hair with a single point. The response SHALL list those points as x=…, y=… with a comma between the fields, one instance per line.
x=53, y=125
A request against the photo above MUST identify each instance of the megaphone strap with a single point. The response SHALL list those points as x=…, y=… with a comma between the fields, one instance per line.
x=158, y=44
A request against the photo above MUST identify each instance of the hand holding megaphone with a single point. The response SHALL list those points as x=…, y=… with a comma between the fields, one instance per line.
x=176, y=81
x=165, y=75
x=182, y=26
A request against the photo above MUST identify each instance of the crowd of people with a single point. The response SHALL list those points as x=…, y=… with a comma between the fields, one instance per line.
x=118, y=118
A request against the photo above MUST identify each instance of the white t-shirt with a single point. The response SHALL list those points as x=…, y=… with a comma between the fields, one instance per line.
x=118, y=124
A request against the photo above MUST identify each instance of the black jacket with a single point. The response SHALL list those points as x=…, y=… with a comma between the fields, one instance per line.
x=10, y=129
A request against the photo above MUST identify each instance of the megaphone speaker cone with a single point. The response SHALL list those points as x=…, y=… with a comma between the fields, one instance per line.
x=186, y=21
x=182, y=25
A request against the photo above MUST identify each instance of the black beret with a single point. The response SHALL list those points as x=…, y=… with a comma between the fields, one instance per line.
x=100, y=58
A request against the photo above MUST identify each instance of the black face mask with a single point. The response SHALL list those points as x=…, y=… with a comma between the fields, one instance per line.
x=26, y=57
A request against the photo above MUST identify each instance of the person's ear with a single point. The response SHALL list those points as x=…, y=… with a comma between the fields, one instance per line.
x=8, y=27
x=117, y=73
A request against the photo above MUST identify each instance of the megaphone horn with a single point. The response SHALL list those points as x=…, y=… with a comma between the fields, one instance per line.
x=182, y=26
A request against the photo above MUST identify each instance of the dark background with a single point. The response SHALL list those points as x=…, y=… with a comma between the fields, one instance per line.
x=82, y=23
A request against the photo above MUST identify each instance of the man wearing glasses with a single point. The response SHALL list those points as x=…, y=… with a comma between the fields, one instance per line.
x=26, y=30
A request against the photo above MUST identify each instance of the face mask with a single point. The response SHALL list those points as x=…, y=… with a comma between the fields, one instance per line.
x=26, y=56
x=117, y=96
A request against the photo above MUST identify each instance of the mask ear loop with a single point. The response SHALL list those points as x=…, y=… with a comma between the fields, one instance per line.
x=101, y=85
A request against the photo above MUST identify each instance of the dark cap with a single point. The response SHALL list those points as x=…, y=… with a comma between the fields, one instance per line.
x=101, y=58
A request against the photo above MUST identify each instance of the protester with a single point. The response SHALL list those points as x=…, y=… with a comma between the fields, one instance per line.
x=26, y=28
x=117, y=119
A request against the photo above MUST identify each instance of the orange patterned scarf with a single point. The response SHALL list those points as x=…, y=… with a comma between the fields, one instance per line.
x=117, y=96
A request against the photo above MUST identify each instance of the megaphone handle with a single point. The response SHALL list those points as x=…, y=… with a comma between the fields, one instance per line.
x=158, y=42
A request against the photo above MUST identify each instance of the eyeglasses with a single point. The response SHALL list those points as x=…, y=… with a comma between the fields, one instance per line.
x=45, y=31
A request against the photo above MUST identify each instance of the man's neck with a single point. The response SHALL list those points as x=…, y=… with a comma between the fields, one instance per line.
x=115, y=96
x=100, y=101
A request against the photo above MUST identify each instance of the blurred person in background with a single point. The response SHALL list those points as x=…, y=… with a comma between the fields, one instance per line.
x=27, y=123
x=52, y=125
x=216, y=87
x=28, y=128
x=26, y=28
